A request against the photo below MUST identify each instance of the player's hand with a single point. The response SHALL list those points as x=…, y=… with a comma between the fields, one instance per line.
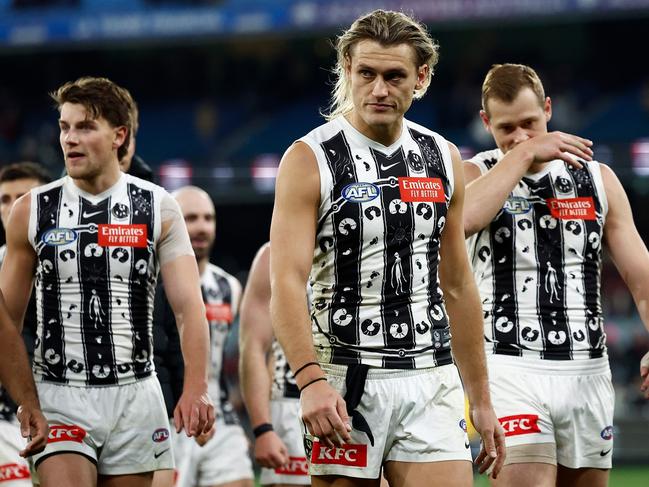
x=33, y=426
x=203, y=438
x=492, y=451
x=270, y=450
x=644, y=373
x=194, y=412
x=558, y=145
x=324, y=413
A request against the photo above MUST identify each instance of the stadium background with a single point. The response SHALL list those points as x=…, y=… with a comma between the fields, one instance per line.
x=225, y=86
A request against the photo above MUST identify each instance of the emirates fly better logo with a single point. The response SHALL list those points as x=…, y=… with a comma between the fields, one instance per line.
x=122, y=235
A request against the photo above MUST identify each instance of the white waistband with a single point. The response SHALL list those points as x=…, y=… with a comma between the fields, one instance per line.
x=595, y=366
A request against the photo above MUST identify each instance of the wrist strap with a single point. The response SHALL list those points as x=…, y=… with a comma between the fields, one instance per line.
x=308, y=364
x=309, y=383
x=261, y=429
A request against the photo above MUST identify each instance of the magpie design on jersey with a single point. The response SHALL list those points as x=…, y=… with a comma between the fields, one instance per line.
x=376, y=294
x=537, y=264
x=221, y=295
x=95, y=281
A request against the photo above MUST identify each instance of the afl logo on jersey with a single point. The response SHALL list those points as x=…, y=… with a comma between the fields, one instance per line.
x=360, y=192
x=160, y=435
x=59, y=236
x=516, y=205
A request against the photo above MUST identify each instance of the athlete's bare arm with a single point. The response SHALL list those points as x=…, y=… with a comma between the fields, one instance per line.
x=292, y=237
x=463, y=305
x=628, y=252
x=194, y=411
x=16, y=278
x=485, y=194
x=255, y=340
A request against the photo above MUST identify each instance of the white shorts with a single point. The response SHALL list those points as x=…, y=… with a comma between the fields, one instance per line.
x=121, y=429
x=573, y=411
x=14, y=469
x=285, y=414
x=224, y=458
x=414, y=416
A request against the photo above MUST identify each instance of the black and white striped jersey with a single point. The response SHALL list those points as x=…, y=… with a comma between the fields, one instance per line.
x=221, y=295
x=537, y=264
x=376, y=293
x=283, y=385
x=97, y=266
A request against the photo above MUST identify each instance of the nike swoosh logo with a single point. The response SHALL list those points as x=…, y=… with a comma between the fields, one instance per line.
x=467, y=444
x=156, y=455
x=385, y=168
x=89, y=215
x=604, y=453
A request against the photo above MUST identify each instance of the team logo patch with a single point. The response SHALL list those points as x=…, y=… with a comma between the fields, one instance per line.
x=422, y=189
x=13, y=471
x=64, y=432
x=59, y=236
x=572, y=208
x=122, y=235
x=562, y=184
x=295, y=466
x=415, y=161
x=218, y=312
x=160, y=435
x=516, y=205
x=607, y=433
x=360, y=192
x=349, y=455
x=120, y=211
x=520, y=424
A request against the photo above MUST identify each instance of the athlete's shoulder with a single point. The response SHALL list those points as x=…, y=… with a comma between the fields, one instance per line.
x=325, y=131
x=488, y=158
x=143, y=183
x=416, y=127
x=220, y=272
x=57, y=183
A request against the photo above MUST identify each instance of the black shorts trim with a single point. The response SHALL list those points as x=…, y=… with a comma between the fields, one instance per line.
x=45, y=457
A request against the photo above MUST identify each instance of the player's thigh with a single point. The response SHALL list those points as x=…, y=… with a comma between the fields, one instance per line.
x=526, y=474
x=130, y=480
x=163, y=478
x=337, y=481
x=582, y=477
x=67, y=470
x=451, y=473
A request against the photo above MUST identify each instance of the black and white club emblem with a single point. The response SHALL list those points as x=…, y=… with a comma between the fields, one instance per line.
x=120, y=211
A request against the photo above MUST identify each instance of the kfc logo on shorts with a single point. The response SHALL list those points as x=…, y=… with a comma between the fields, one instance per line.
x=348, y=455
x=421, y=189
x=160, y=435
x=13, y=471
x=521, y=424
x=122, y=235
x=64, y=432
x=607, y=433
x=295, y=466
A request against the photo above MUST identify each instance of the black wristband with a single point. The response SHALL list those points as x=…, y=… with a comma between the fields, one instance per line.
x=308, y=364
x=261, y=429
x=309, y=383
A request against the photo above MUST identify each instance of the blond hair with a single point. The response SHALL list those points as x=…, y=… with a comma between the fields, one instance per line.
x=388, y=28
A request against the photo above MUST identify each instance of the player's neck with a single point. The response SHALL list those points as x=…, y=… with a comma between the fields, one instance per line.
x=202, y=265
x=101, y=182
x=385, y=135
